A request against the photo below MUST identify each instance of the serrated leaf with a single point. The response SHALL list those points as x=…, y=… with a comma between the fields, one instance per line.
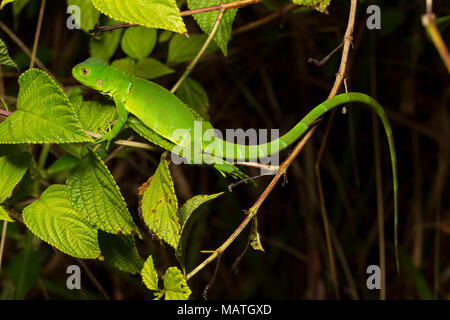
x=94, y=193
x=5, y=59
x=175, y=285
x=89, y=15
x=193, y=94
x=159, y=205
x=161, y=14
x=150, y=68
x=138, y=42
x=120, y=252
x=4, y=215
x=149, y=275
x=182, y=49
x=105, y=46
x=23, y=270
x=320, y=5
x=12, y=169
x=207, y=20
x=187, y=214
x=44, y=114
x=94, y=115
x=75, y=95
x=54, y=219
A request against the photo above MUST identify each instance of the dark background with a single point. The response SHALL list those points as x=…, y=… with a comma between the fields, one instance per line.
x=266, y=82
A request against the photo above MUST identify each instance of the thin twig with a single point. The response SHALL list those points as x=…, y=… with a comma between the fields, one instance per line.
x=213, y=279
x=2, y=242
x=201, y=51
x=37, y=34
x=23, y=47
x=93, y=279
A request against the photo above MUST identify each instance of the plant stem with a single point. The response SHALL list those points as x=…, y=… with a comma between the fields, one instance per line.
x=38, y=32
x=2, y=242
x=191, y=66
x=41, y=163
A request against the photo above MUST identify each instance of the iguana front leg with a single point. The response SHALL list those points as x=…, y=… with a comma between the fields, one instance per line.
x=122, y=119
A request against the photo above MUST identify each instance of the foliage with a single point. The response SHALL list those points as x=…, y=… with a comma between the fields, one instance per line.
x=66, y=187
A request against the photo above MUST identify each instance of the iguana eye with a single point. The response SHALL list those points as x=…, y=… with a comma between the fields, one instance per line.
x=85, y=71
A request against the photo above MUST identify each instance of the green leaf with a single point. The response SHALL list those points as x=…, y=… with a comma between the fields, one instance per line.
x=12, y=169
x=105, y=46
x=147, y=68
x=125, y=65
x=164, y=36
x=18, y=5
x=182, y=49
x=23, y=270
x=175, y=285
x=150, y=68
x=442, y=23
x=149, y=275
x=4, y=2
x=75, y=95
x=159, y=205
x=54, y=219
x=94, y=116
x=207, y=20
x=320, y=5
x=89, y=15
x=43, y=115
x=120, y=252
x=94, y=193
x=417, y=279
x=162, y=14
x=64, y=163
x=4, y=215
x=188, y=213
x=193, y=94
x=5, y=59
x=138, y=42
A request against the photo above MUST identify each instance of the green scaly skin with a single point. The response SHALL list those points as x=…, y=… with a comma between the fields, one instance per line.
x=163, y=113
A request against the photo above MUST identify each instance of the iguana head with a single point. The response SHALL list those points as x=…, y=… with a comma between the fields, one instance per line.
x=91, y=73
